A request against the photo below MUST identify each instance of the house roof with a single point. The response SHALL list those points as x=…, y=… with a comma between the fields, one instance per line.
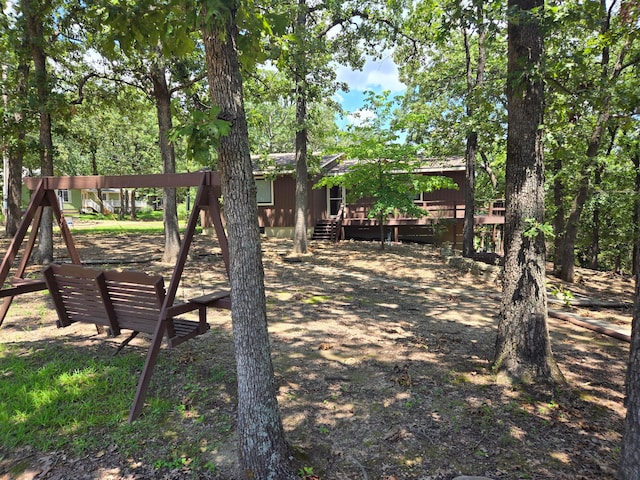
x=335, y=164
x=286, y=162
x=426, y=165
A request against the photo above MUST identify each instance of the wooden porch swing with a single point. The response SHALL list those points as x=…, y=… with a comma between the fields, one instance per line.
x=118, y=300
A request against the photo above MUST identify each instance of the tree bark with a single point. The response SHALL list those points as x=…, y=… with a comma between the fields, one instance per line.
x=33, y=12
x=629, y=468
x=167, y=152
x=558, y=220
x=468, y=231
x=94, y=171
x=566, y=254
x=523, y=347
x=262, y=450
x=302, y=174
x=608, y=76
x=595, y=231
x=16, y=153
x=133, y=215
x=636, y=211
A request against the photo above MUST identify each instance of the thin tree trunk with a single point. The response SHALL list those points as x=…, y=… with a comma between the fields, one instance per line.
x=262, y=450
x=34, y=11
x=302, y=177
x=132, y=205
x=16, y=156
x=636, y=211
x=302, y=174
x=523, y=348
x=124, y=202
x=94, y=171
x=595, y=231
x=167, y=152
x=608, y=76
x=468, y=231
x=595, y=239
x=566, y=253
x=558, y=220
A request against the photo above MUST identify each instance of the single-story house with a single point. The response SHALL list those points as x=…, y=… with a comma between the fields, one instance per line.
x=330, y=217
x=86, y=200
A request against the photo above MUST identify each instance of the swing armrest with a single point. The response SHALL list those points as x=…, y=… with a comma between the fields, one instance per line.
x=180, y=308
x=20, y=286
x=221, y=299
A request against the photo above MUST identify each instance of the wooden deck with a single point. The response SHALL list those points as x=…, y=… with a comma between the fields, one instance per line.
x=444, y=219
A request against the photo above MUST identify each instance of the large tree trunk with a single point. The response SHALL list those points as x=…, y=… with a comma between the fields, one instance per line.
x=523, y=348
x=262, y=450
x=629, y=468
x=34, y=12
x=167, y=152
x=302, y=175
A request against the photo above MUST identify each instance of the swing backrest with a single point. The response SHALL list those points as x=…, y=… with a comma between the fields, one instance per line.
x=124, y=300
x=76, y=296
x=134, y=299
x=119, y=300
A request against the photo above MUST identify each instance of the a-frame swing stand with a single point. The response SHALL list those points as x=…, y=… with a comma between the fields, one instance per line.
x=118, y=300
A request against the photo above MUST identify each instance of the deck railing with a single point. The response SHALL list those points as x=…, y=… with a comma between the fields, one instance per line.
x=438, y=210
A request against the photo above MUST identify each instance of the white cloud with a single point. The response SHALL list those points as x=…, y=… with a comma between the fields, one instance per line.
x=360, y=117
x=376, y=75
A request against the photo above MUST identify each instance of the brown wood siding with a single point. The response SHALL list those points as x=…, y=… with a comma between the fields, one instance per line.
x=449, y=195
x=282, y=212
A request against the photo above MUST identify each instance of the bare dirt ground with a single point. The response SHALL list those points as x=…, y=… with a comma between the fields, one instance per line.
x=383, y=369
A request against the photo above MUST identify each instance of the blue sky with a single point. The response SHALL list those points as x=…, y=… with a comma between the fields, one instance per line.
x=377, y=75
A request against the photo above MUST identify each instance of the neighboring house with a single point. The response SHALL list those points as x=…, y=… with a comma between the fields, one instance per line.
x=86, y=200
x=111, y=200
x=331, y=217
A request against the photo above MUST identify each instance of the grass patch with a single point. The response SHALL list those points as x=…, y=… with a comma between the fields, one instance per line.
x=54, y=397
x=314, y=299
x=123, y=227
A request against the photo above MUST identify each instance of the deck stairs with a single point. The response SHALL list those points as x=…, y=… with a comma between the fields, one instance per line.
x=325, y=229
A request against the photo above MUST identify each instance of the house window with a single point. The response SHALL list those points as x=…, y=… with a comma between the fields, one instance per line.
x=417, y=197
x=63, y=195
x=264, y=191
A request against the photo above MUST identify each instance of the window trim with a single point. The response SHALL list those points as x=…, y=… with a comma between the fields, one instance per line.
x=271, y=202
x=64, y=195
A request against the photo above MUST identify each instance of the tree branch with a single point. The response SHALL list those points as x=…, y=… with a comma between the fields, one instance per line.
x=188, y=83
x=83, y=82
